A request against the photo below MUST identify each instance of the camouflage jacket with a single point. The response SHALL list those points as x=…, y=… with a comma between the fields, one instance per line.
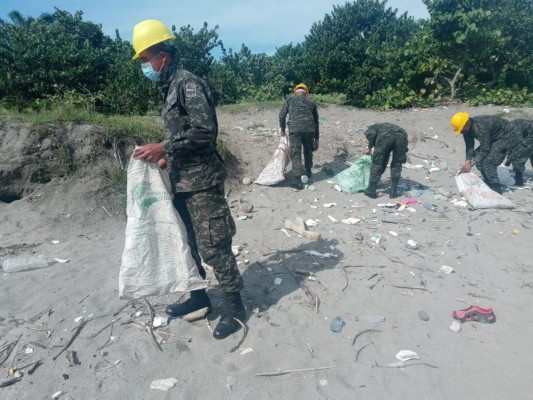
x=520, y=130
x=303, y=115
x=383, y=129
x=191, y=130
x=487, y=129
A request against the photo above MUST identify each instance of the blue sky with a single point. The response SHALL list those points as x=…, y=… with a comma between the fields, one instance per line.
x=262, y=25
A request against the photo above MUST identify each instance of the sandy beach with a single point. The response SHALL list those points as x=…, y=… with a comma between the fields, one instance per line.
x=113, y=356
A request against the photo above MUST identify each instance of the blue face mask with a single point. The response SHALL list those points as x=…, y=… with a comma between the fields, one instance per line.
x=149, y=72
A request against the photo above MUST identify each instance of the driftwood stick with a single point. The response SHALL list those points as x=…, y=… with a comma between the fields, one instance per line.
x=410, y=287
x=376, y=282
x=35, y=366
x=9, y=382
x=28, y=365
x=363, y=332
x=76, y=333
x=347, y=279
x=360, y=350
x=244, y=333
x=101, y=330
x=290, y=371
x=122, y=308
x=14, y=352
x=406, y=365
x=151, y=325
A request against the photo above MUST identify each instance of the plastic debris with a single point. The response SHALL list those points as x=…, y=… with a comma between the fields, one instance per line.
x=311, y=222
x=376, y=237
x=61, y=260
x=430, y=206
x=321, y=255
x=455, y=326
x=459, y=203
x=412, y=244
x=163, y=384
x=371, y=318
x=160, y=321
x=57, y=394
x=242, y=217
x=333, y=219
x=246, y=351
x=278, y=281
x=337, y=324
x=55, y=241
x=446, y=269
x=392, y=233
x=78, y=319
x=323, y=382
x=329, y=205
x=28, y=350
x=247, y=180
x=350, y=221
x=235, y=250
x=406, y=355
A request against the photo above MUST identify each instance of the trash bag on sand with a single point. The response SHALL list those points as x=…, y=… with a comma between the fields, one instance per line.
x=157, y=259
x=355, y=178
x=272, y=174
x=478, y=194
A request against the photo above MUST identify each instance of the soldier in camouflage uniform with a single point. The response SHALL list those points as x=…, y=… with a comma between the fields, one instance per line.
x=303, y=131
x=493, y=134
x=197, y=173
x=521, y=147
x=385, y=139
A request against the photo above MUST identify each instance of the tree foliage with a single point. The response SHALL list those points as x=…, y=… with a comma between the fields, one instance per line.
x=361, y=53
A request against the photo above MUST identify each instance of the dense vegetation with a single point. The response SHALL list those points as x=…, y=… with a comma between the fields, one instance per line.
x=362, y=53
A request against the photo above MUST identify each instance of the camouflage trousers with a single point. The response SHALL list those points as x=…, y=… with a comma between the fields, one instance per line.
x=210, y=228
x=488, y=166
x=395, y=143
x=298, y=140
x=521, y=153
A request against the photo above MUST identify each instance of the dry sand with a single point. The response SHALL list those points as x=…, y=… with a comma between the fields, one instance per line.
x=490, y=251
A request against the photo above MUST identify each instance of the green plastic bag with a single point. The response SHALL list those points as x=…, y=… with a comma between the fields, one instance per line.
x=354, y=179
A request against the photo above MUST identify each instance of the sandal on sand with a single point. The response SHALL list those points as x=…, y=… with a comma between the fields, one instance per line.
x=475, y=313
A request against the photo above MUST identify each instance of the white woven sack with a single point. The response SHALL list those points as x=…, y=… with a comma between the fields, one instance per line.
x=157, y=259
x=272, y=174
x=478, y=194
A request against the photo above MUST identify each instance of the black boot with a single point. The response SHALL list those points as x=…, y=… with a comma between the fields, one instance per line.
x=233, y=308
x=394, y=189
x=518, y=178
x=196, y=307
x=370, y=191
x=496, y=187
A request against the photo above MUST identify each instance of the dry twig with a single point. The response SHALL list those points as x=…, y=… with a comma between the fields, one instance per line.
x=363, y=332
x=76, y=333
x=244, y=333
x=290, y=371
x=151, y=324
x=360, y=350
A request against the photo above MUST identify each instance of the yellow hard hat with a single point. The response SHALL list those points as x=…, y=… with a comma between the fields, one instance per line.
x=300, y=86
x=148, y=33
x=459, y=121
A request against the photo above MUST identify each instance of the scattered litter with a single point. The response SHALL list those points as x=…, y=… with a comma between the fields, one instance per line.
x=516, y=232
x=323, y=382
x=350, y=221
x=285, y=232
x=336, y=325
x=55, y=241
x=412, y=244
x=311, y=222
x=406, y=355
x=160, y=321
x=459, y=203
x=333, y=219
x=409, y=201
x=329, y=205
x=278, y=281
x=57, y=394
x=61, y=260
x=413, y=166
x=371, y=318
x=455, y=326
x=247, y=180
x=411, y=209
x=246, y=351
x=293, y=226
x=163, y=384
x=434, y=169
x=446, y=269
x=242, y=217
x=235, y=250
x=430, y=206
x=392, y=233
x=376, y=237
x=78, y=319
x=28, y=350
x=321, y=255
x=423, y=316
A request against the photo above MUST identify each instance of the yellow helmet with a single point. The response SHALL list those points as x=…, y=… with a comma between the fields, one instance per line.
x=459, y=121
x=300, y=86
x=148, y=33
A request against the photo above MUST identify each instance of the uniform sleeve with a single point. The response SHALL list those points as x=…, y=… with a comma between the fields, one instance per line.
x=315, y=116
x=371, y=136
x=201, y=130
x=469, y=145
x=283, y=115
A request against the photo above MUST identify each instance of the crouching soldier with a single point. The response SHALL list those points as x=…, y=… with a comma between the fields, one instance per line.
x=385, y=139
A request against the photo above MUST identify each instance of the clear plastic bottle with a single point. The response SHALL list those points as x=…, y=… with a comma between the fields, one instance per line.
x=24, y=263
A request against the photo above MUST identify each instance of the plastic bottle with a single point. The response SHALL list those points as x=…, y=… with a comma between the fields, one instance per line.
x=24, y=263
x=430, y=207
x=336, y=324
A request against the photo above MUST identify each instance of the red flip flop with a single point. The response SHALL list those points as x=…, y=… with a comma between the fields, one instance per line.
x=475, y=313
